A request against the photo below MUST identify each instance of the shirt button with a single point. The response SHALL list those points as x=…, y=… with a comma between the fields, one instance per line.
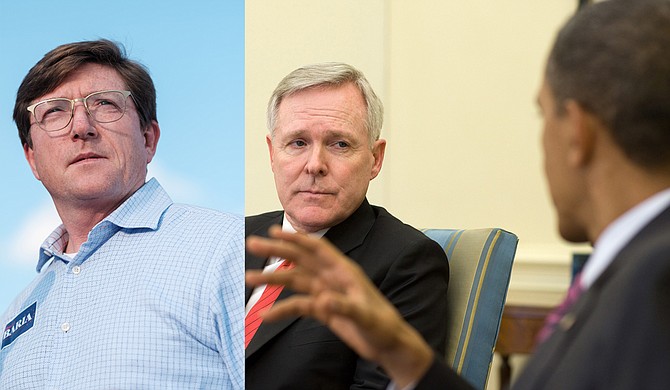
x=65, y=326
x=76, y=270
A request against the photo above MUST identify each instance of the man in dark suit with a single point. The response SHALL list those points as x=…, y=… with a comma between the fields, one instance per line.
x=324, y=122
x=606, y=139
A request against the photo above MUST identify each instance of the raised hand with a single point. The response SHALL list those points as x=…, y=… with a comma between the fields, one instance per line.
x=336, y=291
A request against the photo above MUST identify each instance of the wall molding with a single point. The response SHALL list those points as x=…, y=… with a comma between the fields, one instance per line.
x=541, y=274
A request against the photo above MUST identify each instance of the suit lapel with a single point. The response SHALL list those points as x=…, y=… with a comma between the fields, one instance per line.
x=346, y=236
x=549, y=354
x=252, y=262
x=267, y=330
x=643, y=239
x=351, y=233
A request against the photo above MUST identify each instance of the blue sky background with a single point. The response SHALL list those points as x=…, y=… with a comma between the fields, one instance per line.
x=195, y=53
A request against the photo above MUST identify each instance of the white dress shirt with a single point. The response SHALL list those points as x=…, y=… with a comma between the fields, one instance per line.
x=619, y=233
x=273, y=263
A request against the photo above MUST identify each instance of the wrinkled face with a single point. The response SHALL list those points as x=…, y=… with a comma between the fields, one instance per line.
x=321, y=156
x=99, y=164
x=564, y=184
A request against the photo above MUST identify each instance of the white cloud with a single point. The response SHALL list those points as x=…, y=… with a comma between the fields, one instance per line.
x=181, y=189
x=24, y=244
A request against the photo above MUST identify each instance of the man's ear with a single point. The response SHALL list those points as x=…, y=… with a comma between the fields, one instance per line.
x=378, y=150
x=268, y=141
x=151, y=135
x=30, y=157
x=581, y=133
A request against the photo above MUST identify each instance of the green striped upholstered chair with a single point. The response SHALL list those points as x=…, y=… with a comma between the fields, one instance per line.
x=480, y=264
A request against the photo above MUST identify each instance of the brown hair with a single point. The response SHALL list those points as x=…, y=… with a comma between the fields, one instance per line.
x=57, y=65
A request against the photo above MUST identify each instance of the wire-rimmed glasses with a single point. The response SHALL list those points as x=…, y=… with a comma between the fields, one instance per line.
x=103, y=106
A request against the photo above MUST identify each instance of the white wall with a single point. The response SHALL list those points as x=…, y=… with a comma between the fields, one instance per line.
x=284, y=35
x=458, y=80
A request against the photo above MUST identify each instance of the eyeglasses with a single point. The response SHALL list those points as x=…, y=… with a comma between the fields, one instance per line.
x=103, y=106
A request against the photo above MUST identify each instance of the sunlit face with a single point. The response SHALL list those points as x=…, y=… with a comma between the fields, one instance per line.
x=321, y=156
x=98, y=164
x=564, y=184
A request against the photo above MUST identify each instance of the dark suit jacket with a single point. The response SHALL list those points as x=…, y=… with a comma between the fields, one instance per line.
x=410, y=269
x=617, y=335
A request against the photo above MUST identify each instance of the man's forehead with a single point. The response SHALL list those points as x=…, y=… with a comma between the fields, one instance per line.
x=333, y=103
x=85, y=79
x=320, y=123
x=326, y=93
x=319, y=132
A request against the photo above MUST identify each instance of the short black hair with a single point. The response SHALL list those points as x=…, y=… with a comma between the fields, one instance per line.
x=613, y=58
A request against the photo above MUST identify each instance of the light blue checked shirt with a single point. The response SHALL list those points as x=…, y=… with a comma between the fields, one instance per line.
x=152, y=300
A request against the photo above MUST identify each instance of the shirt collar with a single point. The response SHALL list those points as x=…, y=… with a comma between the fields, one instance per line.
x=620, y=232
x=143, y=210
x=54, y=243
x=287, y=227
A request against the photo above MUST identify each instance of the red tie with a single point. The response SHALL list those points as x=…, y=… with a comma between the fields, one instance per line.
x=555, y=316
x=253, y=320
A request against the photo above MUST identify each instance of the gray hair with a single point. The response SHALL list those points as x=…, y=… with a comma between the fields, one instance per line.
x=324, y=75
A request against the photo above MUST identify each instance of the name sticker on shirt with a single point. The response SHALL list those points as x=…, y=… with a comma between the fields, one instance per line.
x=19, y=325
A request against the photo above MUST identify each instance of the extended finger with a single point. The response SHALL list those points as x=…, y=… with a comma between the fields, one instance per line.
x=293, y=249
x=316, y=252
x=267, y=247
x=308, y=243
x=292, y=279
x=295, y=306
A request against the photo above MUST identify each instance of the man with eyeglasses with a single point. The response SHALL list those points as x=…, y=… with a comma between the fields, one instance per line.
x=133, y=290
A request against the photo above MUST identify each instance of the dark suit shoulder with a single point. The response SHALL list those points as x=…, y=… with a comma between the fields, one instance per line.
x=619, y=337
x=258, y=224
x=399, y=234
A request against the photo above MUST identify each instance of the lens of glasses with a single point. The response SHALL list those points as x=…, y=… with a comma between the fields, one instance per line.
x=53, y=114
x=104, y=107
